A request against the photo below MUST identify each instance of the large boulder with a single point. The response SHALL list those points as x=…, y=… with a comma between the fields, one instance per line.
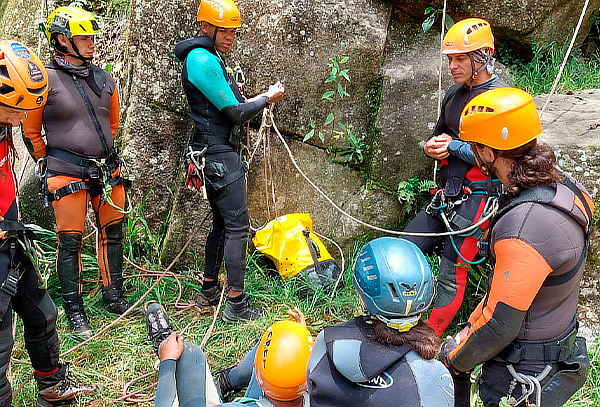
x=515, y=23
x=293, y=42
x=292, y=192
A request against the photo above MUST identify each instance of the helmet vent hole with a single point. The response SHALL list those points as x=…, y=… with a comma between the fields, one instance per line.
x=4, y=71
x=393, y=291
x=82, y=28
x=5, y=89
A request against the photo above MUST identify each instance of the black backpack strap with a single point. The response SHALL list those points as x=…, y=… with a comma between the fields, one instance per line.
x=552, y=281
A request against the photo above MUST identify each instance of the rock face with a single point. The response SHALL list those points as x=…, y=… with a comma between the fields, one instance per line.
x=570, y=125
x=515, y=23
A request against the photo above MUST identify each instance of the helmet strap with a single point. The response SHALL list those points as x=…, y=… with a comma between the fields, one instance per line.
x=486, y=168
x=398, y=324
x=475, y=72
x=78, y=54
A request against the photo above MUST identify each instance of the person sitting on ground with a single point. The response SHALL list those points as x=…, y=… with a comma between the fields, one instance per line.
x=278, y=377
x=385, y=357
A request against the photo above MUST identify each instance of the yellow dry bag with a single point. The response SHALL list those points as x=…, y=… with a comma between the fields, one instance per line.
x=289, y=241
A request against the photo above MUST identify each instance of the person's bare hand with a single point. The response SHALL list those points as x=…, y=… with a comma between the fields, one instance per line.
x=437, y=147
x=171, y=348
x=297, y=315
x=3, y=233
x=275, y=92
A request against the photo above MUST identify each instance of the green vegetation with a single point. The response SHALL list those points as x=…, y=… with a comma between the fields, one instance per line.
x=124, y=353
x=538, y=74
x=353, y=151
x=431, y=14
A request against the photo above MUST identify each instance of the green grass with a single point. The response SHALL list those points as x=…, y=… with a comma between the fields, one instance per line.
x=124, y=353
x=538, y=74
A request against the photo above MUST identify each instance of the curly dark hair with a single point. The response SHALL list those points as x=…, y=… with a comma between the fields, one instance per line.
x=421, y=337
x=534, y=165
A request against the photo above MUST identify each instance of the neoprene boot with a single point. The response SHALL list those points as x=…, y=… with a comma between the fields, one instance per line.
x=209, y=297
x=112, y=295
x=60, y=388
x=240, y=310
x=76, y=315
x=224, y=386
x=157, y=324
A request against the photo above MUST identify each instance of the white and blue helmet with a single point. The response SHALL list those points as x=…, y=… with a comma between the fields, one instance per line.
x=395, y=282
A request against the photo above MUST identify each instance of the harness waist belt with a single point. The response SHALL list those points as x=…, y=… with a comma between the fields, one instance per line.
x=550, y=351
x=79, y=160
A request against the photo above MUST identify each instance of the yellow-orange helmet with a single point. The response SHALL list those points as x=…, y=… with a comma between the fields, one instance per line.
x=220, y=13
x=281, y=360
x=468, y=35
x=503, y=119
x=70, y=22
x=23, y=78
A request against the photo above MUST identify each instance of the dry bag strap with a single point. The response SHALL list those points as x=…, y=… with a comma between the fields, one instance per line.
x=91, y=113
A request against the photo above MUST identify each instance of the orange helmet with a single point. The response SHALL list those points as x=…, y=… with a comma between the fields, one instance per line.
x=468, y=35
x=220, y=13
x=23, y=78
x=281, y=360
x=503, y=119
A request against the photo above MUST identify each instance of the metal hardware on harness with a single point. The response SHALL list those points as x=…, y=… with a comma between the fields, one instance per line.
x=198, y=161
x=529, y=385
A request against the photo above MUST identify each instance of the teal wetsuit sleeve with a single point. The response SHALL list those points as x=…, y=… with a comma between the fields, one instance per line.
x=166, y=391
x=206, y=74
x=462, y=150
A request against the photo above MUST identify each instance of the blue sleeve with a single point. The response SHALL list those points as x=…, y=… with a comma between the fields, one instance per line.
x=462, y=150
x=166, y=392
x=205, y=73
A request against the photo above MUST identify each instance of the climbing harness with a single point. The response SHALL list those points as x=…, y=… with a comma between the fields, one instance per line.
x=99, y=179
x=196, y=162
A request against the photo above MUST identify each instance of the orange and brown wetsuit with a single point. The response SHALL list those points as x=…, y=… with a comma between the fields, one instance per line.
x=538, y=248
x=70, y=132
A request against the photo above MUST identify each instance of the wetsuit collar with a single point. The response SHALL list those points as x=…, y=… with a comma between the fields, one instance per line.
x=483, y=85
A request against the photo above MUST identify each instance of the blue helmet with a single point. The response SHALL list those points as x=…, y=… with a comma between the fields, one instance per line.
x=394, y=280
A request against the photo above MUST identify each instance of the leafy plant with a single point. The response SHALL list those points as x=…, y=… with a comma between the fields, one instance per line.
x=414, y=193
x=432, y=13
x=337, y=80
x=353, y=152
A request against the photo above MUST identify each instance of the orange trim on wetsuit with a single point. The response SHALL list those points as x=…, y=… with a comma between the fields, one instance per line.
x=518, y=275
x=115, y=109
x=32, y=131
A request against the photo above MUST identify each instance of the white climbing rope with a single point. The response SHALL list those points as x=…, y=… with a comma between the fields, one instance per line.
x=491, y=209
x=441, y=68
x=564, y=63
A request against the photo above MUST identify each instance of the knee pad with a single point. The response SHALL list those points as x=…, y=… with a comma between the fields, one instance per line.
x=70, y=241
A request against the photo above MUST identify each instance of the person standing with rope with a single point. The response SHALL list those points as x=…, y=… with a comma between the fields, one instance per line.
x=464, y=189
x=78, y=161
x=24, y=84
x=219, y=112
x=524, y=331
